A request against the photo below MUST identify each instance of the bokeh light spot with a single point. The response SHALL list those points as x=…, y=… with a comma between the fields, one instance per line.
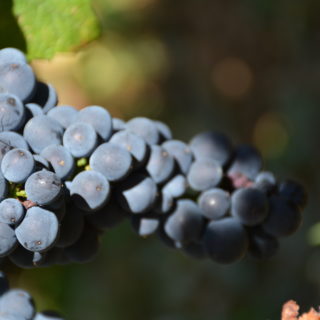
x=270, y=135
x=232, y=77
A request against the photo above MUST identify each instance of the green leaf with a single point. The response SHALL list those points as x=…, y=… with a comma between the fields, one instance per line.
x=52, y=26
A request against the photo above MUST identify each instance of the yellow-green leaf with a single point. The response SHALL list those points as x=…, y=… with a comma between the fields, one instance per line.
x=51, y=26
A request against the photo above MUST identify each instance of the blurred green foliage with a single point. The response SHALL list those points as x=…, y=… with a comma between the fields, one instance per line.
x=249, y=68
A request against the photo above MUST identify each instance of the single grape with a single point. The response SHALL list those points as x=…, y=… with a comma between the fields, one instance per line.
x=11, y=211
x=132, y=143
x=144, y=128
x=12, y=55
x=112, y=160
x=17, y=78
x=185, y=224
x=10, y=140
x=250, y=206
x=225, y=240
x=293, y=192
x=42, y=131
x=160, y=165
x=247, y=162
x=43, y=187
x=60, y=159
x=17, y=165
x=12, y=112
x=176, y=186
x=17, y=303
x=204, y=174
x=80, y=139
x=8, y=240
x=180, y=152
x=283, y=219
x=137, y=193
x=144, y=226
x=39, y=230
x=265, y=181
x=65, y=115
x=212, y=145
x=99, y=118
x=90, y=190
x=118, y=124
x=214, y=203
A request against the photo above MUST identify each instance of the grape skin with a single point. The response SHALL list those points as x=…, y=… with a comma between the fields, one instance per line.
x=17, y=303
x=65, y=115
x=80, y=139
x=283, y=219
x=42, y=131
x=225, y=240
x=250, y=206
x=180, y=152
x=10, y=140
x=17, y=165
x=8, y=240
x=137, y=194
x=185, y=224
x=211, y=145
x=132, y=143
x=17, y=78
x=160, y=165
x=99, y=118
x=214, y=203
x=60, y=159
x=204, y=174
x=112, y=160
x=39, y=230
x=90, y=190
x=247, y=161
x=43, y=187
x=11, y=211
x=144, y=128
x=12, y=112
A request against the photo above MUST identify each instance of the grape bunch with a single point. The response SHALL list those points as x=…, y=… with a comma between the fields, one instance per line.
x=18, y=304
x=69, y=175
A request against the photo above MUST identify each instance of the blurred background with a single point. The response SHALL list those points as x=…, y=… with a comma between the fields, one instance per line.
x=248, y=68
